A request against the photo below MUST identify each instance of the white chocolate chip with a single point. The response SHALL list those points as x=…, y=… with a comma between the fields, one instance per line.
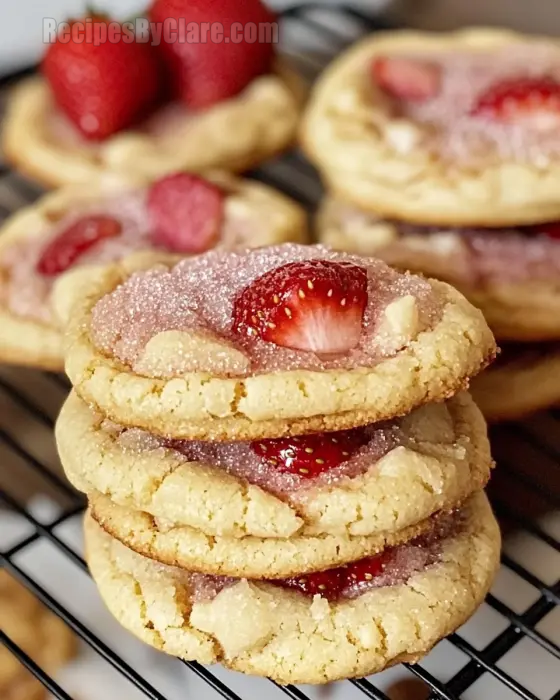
x=432, y=423
x=241, y=618
x=400, y=322
x=402, y=135
x=446, y=242
x=372, y=236
x=170, y=353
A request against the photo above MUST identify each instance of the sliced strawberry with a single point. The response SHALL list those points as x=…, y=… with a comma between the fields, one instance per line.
x=102, y=88
x=186, y=213
x=406, y=78
x=311, y=455
x=552, y=229
x=328, y=584
x=65, y=249
x=534, y=101
x=314, y=305
x=366, y=570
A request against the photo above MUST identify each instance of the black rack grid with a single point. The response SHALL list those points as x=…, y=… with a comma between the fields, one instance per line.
x=525, y=488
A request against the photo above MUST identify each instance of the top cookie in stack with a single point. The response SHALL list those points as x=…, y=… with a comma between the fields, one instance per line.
x=265, y=415
x=442, y=156
x=277, y=341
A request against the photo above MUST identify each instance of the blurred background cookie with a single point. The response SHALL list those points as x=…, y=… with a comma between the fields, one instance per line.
x=41, y=635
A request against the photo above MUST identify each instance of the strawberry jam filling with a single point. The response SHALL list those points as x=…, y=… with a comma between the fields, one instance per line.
x=475, y=257
x=280, y=308
x=478, y=105
x=287, y=467
x=392, y=567
x=179, y=214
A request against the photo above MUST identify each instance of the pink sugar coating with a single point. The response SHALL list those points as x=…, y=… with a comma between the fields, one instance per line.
x=164, y=123
x=460, y=137
x=241, y=461
x=198, y=294
x=482, y=256
x=403, y=562
x=25, y=292
x=238, y=459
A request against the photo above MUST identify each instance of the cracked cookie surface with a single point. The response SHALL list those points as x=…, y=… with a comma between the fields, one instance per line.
x=382, y=161
x=262, y=629
x=433, y=364
x=251, y=556
x=430, y=460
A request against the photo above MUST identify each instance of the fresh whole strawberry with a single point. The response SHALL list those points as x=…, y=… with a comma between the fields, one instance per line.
x=186, y=213
x=531, y=101
x=407, y=79
x=64, y=250
x=313, y=305
x=311, y=455
x=206, y=72
x=105, y=88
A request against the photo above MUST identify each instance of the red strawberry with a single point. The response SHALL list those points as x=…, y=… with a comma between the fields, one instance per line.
x=311, y=455
x=314, y=305
x=104, y=88
x=535, y=101
x=366, y=569
x=66, y=248
x=407, y=79
x=552, y=230
x=186, y=212
x=328, y=584
x=206, y=72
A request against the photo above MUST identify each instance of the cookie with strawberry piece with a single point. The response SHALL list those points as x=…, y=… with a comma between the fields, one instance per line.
x=510, y=273
x=456, y=129
x=344, y=483
x=50, y=247
x=342, y=623
x=272, y=342
x=108, y=109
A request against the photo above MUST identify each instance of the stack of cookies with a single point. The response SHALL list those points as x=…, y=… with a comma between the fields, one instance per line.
x=441, y=154
x=283, y=467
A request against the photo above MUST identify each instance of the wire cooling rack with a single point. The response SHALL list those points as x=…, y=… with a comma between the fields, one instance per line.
x=510, y=649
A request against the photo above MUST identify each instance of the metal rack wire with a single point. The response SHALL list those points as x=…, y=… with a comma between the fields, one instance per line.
x=526, y=484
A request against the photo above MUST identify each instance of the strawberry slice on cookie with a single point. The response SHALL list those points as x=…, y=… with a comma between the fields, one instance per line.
x=186, y=213
x=406, y=78
x=311, y=455
x=333, y=583
x=313, y=305
x=534, y=102
x=64, y=250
